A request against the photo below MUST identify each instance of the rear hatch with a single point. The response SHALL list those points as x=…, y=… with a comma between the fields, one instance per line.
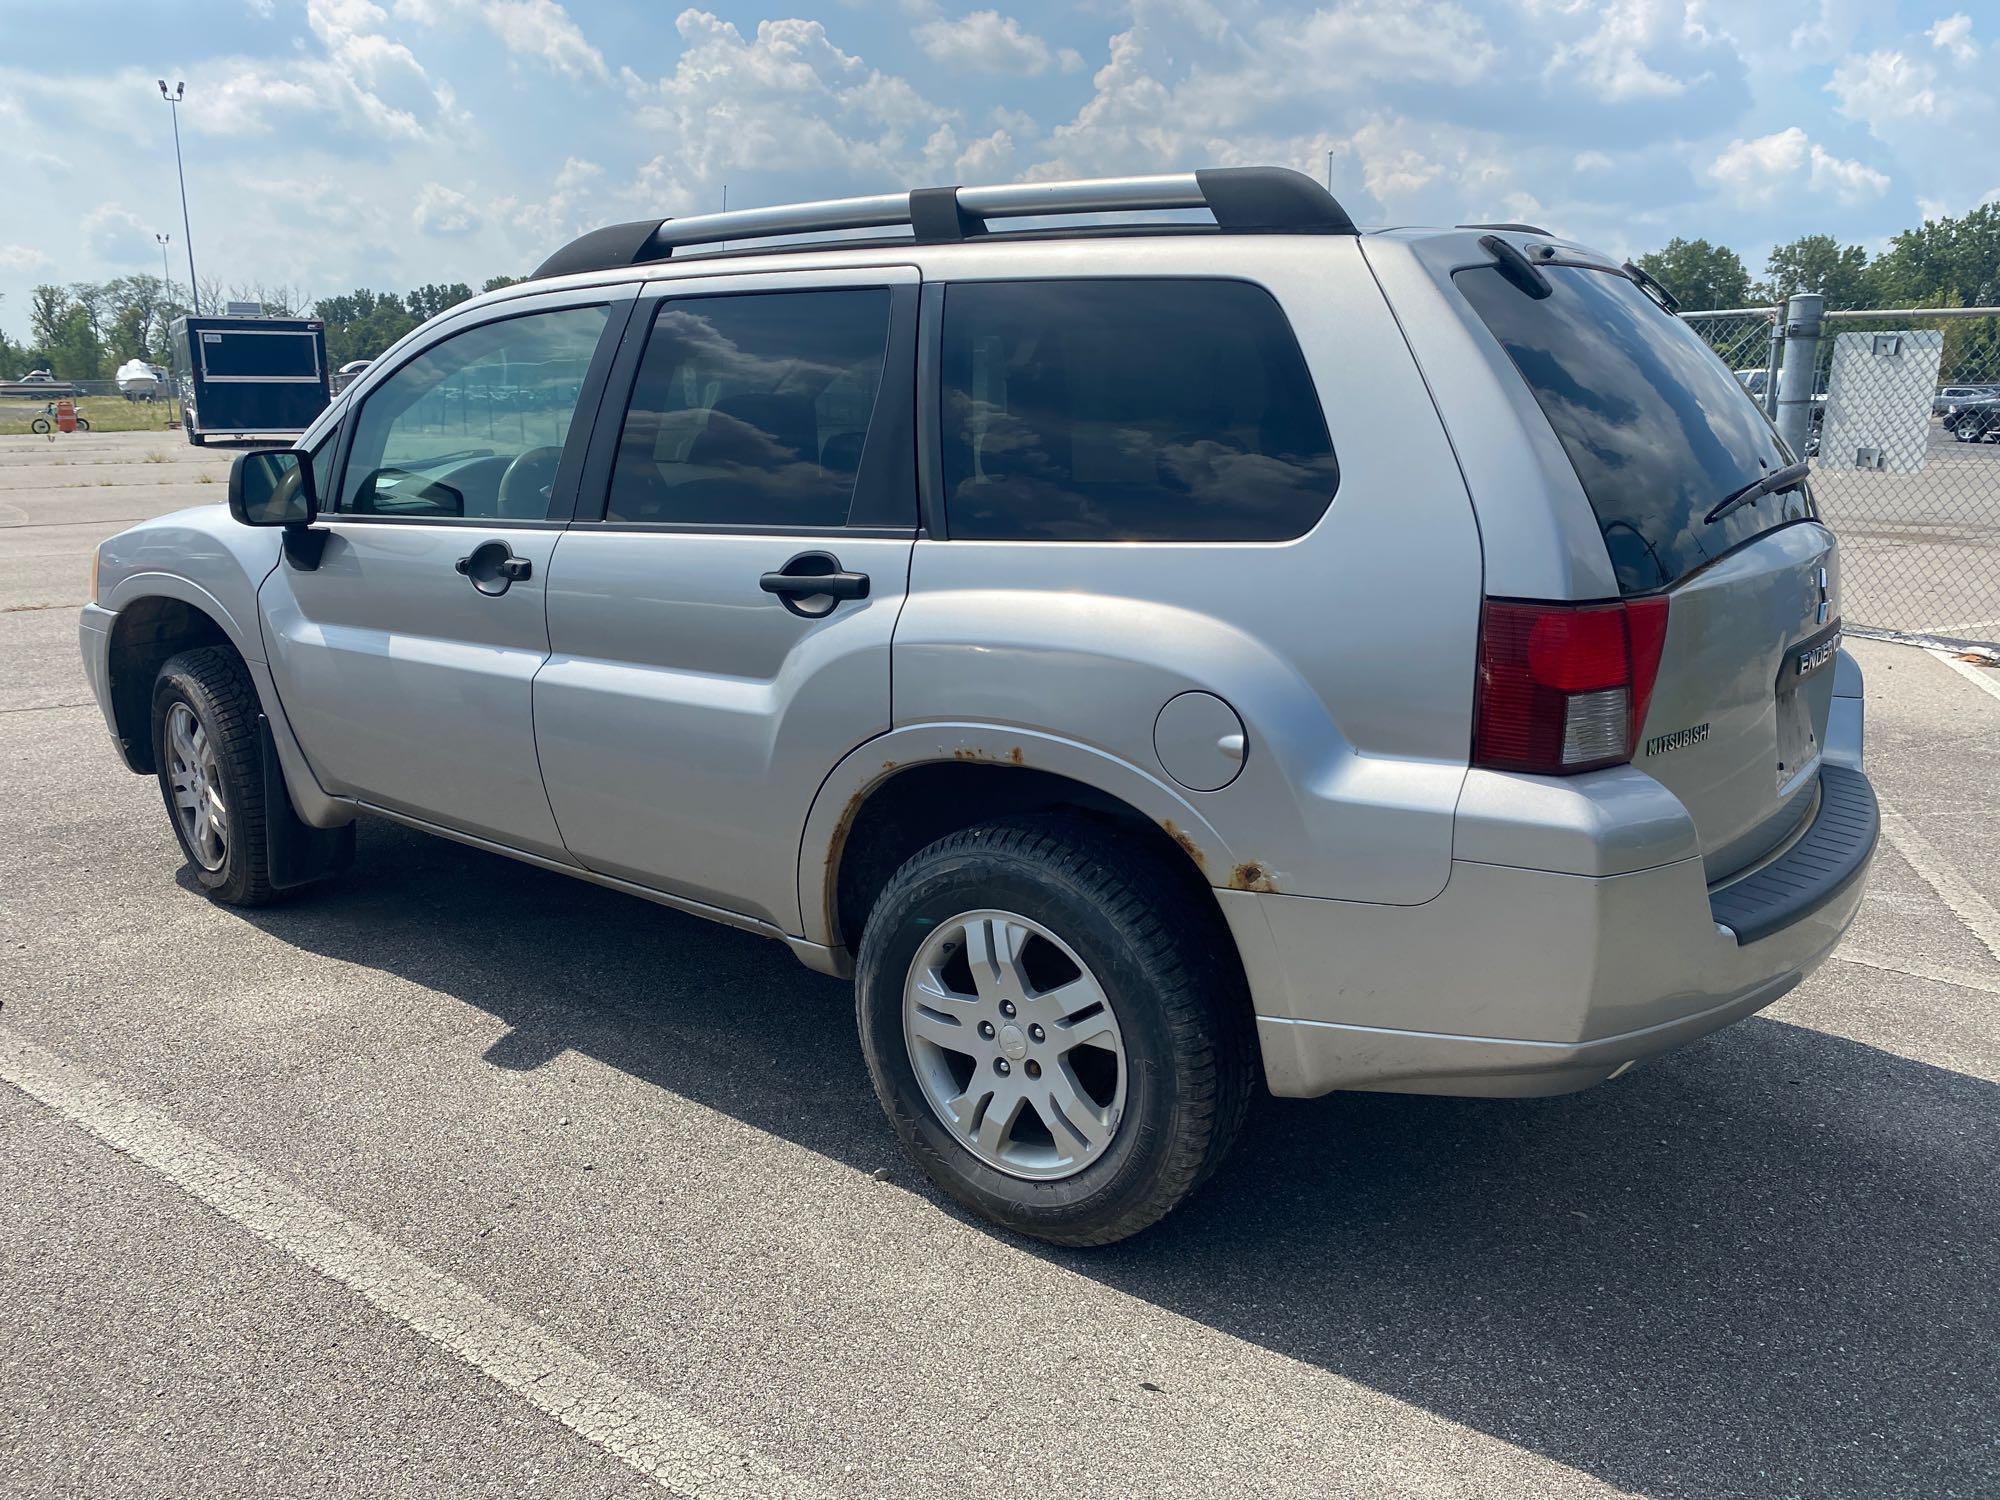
x=1661, y=436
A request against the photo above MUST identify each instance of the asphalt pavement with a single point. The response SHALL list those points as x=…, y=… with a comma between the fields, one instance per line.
x=456, y=1177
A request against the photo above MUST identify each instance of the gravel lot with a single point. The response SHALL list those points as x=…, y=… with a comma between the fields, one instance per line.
x=461, y=1178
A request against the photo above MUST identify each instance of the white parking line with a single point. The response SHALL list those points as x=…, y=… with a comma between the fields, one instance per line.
x=1972, y=908
x=1987, y=679
x=672, y=1448
x=1962, y=627
x=1916, y=969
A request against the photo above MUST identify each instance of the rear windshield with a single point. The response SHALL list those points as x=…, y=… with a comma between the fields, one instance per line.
x=1658, y=430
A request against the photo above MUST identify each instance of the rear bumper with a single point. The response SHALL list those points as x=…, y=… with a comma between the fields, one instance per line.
x=1518, y=981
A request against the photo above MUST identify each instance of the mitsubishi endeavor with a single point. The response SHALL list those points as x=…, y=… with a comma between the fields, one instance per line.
x=1147, y=656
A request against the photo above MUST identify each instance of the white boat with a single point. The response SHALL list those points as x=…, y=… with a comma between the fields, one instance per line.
x=137, y=380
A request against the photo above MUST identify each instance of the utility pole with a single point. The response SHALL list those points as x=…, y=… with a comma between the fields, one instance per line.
x=187, y=233
x=166, y=302
x=1329, y=171
x=166, y=276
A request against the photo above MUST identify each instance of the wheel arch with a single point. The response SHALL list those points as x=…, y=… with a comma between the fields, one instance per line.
x=145, y=632
x=901, y=791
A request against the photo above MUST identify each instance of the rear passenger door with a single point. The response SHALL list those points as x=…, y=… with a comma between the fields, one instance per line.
x=720, y=614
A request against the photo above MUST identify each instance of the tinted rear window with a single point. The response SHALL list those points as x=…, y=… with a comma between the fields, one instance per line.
x=752, y=409
x=1655, y=425
x=1162, y=410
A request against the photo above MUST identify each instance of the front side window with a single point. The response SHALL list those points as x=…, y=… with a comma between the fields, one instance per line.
x=1154, y=410
x=752, y=410
x=474, y=426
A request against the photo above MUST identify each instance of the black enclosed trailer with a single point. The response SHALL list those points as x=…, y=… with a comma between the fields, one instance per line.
x=249, y=377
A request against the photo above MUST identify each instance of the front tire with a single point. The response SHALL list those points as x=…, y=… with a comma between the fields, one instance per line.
x=1055, y=1026
x=206, y=753
x=39, y=426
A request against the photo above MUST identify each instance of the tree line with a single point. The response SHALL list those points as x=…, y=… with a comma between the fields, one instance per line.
x=1943, y=263
x=87, y=329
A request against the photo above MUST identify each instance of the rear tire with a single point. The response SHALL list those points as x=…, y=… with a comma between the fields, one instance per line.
x=207, y=756
x=1076, y=896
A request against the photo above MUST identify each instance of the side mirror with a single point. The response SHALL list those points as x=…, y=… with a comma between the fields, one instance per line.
x=273, y=488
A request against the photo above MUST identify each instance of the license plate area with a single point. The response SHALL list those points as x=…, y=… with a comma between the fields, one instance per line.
x=1798, y=744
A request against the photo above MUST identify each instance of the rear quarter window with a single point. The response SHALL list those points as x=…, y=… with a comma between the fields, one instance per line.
x=1140, y=410
x=1657, y=428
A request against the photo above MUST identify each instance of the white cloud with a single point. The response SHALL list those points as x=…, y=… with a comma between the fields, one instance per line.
x=539, y=29
x=21, y=258
x=1755, y=172
x=984, y=41
x=1953, y=34
x=1616, y=61
x=443, y=210
x=1267, y=88
x=787, y=99
x=116, y=235
x=1883, y=87
x=1849, y=181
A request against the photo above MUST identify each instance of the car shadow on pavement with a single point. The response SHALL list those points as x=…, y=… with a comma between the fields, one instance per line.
x=1763, y=1265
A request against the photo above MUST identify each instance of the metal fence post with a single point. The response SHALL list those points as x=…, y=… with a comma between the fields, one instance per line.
x=1804, y=314
x=1771, y=360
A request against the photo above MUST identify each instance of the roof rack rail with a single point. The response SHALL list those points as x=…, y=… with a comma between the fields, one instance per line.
x=1516, y=228
x=1244, y=200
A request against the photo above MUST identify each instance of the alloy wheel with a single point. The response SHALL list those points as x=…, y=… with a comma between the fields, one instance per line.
x=197, y=786
x=1015, y=1045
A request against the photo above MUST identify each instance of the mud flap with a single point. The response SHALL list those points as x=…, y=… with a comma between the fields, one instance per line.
x=296, y=852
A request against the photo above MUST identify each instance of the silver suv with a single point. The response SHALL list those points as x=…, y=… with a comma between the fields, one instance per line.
x=1144, y=656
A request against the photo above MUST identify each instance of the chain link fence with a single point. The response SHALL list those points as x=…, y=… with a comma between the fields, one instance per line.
x=1902, y=426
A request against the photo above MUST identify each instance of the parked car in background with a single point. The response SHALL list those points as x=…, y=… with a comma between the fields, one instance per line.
x=346, y=375
x=1976, y=419
x=1949, y=398
x=1292, y=676
x=1756, y=381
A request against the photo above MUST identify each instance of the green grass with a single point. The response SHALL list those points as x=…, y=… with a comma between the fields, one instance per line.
x=104, y=413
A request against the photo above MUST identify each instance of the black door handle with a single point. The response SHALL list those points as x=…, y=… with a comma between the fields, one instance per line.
x=493, y=567
x=810, y=578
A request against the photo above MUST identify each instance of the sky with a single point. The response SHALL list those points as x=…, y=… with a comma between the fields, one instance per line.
x=332, y=144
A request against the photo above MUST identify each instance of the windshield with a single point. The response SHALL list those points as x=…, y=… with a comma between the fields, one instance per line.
x=1657, y=428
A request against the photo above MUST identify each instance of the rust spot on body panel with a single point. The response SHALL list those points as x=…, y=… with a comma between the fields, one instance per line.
x=1252, y=877
x=1188, y=846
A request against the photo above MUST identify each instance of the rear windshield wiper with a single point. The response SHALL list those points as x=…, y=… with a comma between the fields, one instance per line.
x=1649, y=284
x=1774, y=483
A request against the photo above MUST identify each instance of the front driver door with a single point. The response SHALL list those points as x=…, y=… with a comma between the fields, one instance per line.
x=406, y=658
x=693, y=703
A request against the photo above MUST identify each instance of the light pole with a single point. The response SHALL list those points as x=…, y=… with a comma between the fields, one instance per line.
x=1329, y=171
x=167, y=301
x=187, y=233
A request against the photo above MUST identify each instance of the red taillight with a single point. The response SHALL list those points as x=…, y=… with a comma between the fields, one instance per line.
x=1564, y=687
